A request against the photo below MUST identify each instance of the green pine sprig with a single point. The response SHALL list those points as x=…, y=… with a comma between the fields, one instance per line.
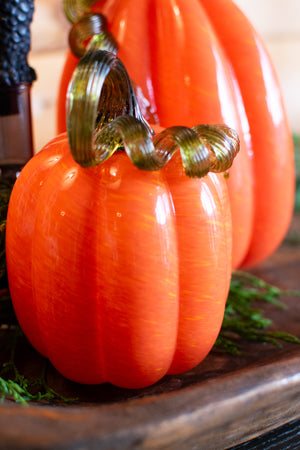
x=244, y=321
x=15, y=386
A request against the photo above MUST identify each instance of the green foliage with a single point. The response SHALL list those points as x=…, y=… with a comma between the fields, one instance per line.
x=244, y=321
x=16, y=386
x=9, y=388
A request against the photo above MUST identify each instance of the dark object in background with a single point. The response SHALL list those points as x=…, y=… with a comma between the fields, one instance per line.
x=16, y=77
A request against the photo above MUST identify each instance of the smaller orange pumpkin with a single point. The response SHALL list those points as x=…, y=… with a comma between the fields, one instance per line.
x=112, y=270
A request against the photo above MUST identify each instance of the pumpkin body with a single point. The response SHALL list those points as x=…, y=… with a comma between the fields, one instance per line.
x=201, y=61
x=113, y=270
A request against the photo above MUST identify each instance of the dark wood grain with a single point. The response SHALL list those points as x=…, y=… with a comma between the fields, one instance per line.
x=223, y=402
x=286, y=437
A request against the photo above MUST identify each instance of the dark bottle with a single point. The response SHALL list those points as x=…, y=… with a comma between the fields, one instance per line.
x=16, y=77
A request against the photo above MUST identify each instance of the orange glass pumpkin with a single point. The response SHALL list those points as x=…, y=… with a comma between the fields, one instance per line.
x=201, y=61
x=112, y=270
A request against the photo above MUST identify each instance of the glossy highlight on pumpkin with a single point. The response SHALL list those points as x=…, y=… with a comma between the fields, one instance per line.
x=201, y=61
x=113, y=270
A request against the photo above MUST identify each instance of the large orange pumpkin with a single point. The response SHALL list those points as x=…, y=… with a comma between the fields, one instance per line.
x=117, y=274
x=201, y=61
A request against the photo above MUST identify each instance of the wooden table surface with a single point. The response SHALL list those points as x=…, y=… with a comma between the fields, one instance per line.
x=224, y=401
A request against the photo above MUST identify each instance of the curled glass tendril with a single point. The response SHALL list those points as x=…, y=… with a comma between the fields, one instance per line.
x=103, y=116
x=75, y=9
x=89, y=30
x=89, y=33
x=93, y=27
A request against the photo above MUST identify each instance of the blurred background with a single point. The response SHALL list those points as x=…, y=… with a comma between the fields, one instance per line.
x=276, y=20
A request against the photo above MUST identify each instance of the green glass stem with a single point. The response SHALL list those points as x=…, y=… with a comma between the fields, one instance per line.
x=103, y=116
x=93, y=27
x=75, y=9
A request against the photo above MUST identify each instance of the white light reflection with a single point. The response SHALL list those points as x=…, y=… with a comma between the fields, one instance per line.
x=176, y=10
x=177, y=14
x=210, y=208
x=150, y=93
x=231, y=103
x=207, y=201
x=122, y=28
x=243, y=116
x=113, y=171
x=273, y=94
x=224, y=93
x=52, y=160
x=69, y=178
x=162, y=209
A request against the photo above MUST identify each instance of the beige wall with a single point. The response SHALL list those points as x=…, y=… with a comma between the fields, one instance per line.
x=49, y=42
x=276, y=20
